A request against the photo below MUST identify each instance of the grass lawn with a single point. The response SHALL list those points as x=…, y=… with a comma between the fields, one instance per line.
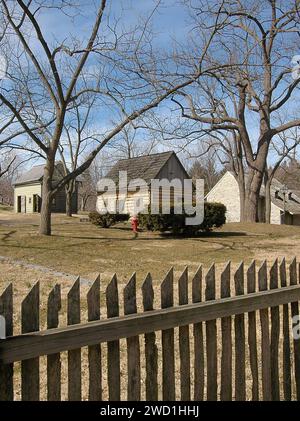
x=80, y=248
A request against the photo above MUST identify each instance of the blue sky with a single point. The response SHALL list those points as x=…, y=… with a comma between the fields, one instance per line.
x=170, y=22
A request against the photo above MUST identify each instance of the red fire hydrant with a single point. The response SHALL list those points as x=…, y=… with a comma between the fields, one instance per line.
x=135, y=225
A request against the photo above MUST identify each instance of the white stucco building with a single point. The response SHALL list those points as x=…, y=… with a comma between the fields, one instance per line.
x=226, y=191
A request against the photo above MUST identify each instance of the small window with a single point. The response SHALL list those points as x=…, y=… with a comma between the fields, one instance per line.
x=30, y=200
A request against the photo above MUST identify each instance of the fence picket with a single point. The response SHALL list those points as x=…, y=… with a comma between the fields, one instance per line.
x=168, y=357
x=265, y=337
x=286, y=363
x=30, y=369
x=150, y=345
x=226, y=359
x=74, y=356
x=133, y=345
x=7, y=371
x=198, y=340
x=53, y=361
x=230, y=310
x=184, y=341
x=296, y=342
x=113, y=347
x=94, y=351
x=275, y=330
x=240, y=352
x=252, y=337
x=211, y=339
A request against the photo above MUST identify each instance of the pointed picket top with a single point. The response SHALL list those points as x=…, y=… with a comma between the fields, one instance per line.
x=74, y=303
x=263, y=277
x=210, y=280
x=183, y=287
x=167, y=290
x=54, y=307
x=293, y=272
x=251, y=277
x=282, y=271
x=197, y=285
x=239, y=280
x=6, y=308
x=148, y=293
x=274, y=275
x=30, y=306
x=225, y=281
x=93, y=300
x=75, y=287
x=7, y=291
x=112, y=297
x=130, y=296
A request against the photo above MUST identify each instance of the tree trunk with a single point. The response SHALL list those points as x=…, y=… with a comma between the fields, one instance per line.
x=69, y=195
x=268, y=199
x=253, y=187
x=241, y=183
x=45, y=222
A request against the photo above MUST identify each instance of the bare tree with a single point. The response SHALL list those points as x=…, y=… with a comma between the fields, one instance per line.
x=258, y=43
x=119, y=67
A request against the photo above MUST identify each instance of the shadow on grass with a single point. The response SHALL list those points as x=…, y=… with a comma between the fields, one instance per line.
x=158, y=237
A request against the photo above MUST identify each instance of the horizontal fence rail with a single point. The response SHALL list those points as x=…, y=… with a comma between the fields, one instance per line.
x=36, y=344
x=210, y=336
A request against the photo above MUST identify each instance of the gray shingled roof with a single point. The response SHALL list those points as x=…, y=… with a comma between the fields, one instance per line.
x=146, y=167
x=292, y=205
x=33, y=175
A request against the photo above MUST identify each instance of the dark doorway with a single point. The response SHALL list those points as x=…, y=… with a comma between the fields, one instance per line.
x=19, y=204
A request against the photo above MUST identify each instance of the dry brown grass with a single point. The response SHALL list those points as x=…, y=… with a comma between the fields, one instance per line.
x=80, y=248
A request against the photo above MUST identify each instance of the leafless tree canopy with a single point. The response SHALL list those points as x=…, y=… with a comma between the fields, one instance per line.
x=243, y=101
x=114, y=66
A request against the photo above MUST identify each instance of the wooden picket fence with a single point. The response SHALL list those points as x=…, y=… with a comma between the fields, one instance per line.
x=226, y=346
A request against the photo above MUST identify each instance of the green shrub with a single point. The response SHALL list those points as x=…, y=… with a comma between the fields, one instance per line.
x=107, y=220
x=214, y=217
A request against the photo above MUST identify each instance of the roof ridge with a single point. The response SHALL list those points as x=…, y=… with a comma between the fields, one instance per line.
x=144, y=156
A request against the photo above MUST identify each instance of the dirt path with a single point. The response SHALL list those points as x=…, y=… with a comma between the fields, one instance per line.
x=44, y=269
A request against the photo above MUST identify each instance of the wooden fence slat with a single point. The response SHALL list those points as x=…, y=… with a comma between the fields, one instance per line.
x=265, y=337
x=226, y=327
x=7, y=370
x=151, y=353
x=94, y=351
x=286, y=363
x=184, y=341
x=296, y=342
x=198, y=340
x=252, y=337
x=30, y=369
x=113, y=347
x=133, y=345
x=168, y=356
x=53, y=361
x=275, y=330
x=211, y=339
x=74, y=356
x=240, y=351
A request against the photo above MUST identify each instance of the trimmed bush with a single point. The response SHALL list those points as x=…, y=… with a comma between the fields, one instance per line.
x=214, y=217
x=107, y=220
